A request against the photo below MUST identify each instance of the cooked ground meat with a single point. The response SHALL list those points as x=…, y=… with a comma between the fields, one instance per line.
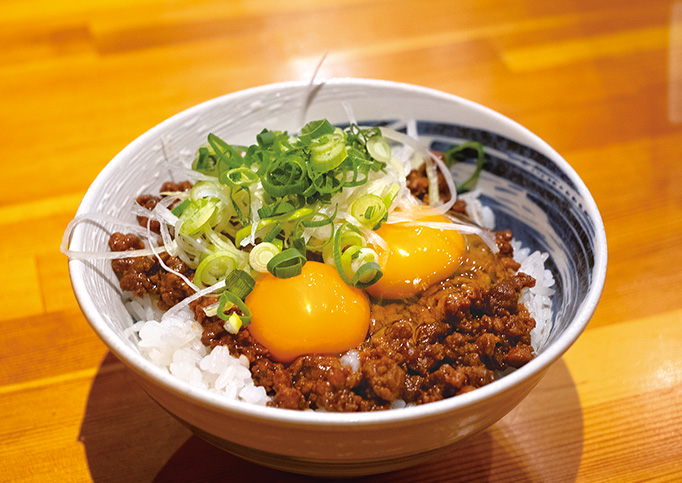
x=145, y=275
x=150, y=201
x=448, y=340
x=418, y=184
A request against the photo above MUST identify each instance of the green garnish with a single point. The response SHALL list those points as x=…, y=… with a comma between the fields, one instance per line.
x=287, y=263
x=265, y=207
x=214, y=268
x=177, y=211
x=458, y=153
x=233, y=311
x=196, y=215
x=239, y=283
x=350, y=251
x=261, y=255
x=370, y=210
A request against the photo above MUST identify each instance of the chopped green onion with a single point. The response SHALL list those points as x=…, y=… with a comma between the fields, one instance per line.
x=241, y=234
x=196, y=215
x=261, y=254
x=456, y=153
x=281, y=207
x=379, y=149
x=346, y=255
x=238, y=314
x=211, y=310
x=274, y=231
x=368, y=274
x=326, y=219
x=350, y=236
x=315, y=129
x=177, y=210
x=205, y=162
x=233, y=323
x=238, y=177
x=287, y=263
x=297, y=241
x=286, y=176
x=328, y=183
x=227, y=155
x=301, y=213
x=288, y=180
x=390, y=196
x=214, y=268
x=266, y=138
x=239, y=283
x=327, y=152
x=370, y=210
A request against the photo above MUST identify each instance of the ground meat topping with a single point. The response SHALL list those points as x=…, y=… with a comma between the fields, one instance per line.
x=145, y=275
x=448, y=340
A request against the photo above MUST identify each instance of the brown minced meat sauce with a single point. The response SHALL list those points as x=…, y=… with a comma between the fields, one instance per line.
x=448, y=340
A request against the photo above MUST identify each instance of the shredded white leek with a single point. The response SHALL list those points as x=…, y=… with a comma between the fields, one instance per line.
x=99, y=218
x=158, y=251
x=175, y=309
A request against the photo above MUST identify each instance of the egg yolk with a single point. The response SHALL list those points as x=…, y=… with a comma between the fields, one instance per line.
x=417, y=257
x=312, y=313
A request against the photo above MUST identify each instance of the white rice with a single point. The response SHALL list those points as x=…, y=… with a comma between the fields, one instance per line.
x=536, y=299
x=173, y=343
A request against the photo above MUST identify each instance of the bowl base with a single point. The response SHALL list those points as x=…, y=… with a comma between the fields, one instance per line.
x=317, y=467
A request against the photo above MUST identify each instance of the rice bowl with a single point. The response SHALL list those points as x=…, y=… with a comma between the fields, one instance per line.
x=543, y=207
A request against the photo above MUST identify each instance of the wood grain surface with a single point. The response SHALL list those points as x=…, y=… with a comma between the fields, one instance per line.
x=601, y=81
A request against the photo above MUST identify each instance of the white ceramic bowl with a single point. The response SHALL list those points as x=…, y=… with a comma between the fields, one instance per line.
x=531, y=188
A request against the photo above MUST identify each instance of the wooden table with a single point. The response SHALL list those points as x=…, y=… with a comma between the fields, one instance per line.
x=600, y=81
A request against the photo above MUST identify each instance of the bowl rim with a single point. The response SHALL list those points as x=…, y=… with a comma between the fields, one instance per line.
x=535, y=367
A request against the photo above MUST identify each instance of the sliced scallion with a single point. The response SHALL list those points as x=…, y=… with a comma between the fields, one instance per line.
x=214, y=268
x=390, y=195
x=228, y=156
x=370, y=210
x=379, y=149
x=287, y=263
x=196, y=215
x=178, y=209
x=315, y=129
x=205, y=162
x=239, y=283
x=274, y=231
x=327, y=152
x=348, y=250
x=238, y=177
x=241, y=234
x=368, y=274
x=285, y=176
x=456, y=153
x=233, y=311
x=261, y=254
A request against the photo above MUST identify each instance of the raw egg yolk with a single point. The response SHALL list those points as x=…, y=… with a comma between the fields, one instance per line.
x=312, y=313
x=416, y=258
